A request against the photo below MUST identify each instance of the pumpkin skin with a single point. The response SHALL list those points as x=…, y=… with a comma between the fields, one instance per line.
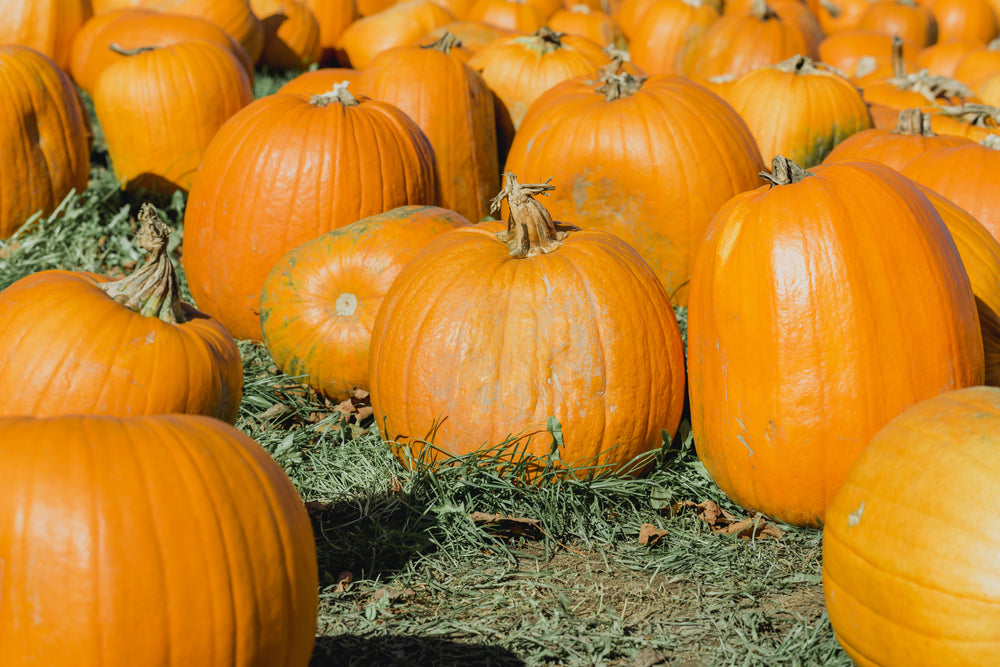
x=134, y=28
x=912, y=21
x=284, y=170
x=794, y=290
x=333, y=17
x=910, y=574
x=186, y=91
x=47, y=26
x=495, y=344
x=454, y=107
x=291, y=34
x=668, y=29
x=657, y=164
x=233, y=16
x=320, y=81
x=798, y=109
x=319, y=301
x=70, y=348
x=168, y=540
x=43, y=139
x=402, y=24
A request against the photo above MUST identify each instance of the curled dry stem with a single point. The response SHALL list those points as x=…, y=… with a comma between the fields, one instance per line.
x=530, y=229
x=784, y=172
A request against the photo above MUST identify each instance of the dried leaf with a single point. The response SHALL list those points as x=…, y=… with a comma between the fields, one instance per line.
x=650, y=534
x=726, y=523
x=360, y=394
x=315, y=507
x=344, y=580
x=275, y=411
x=511, y=526
x=364, y=412
x=346, y=407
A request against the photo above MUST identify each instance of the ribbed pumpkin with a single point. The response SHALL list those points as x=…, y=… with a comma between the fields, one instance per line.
x=911, y=138
x=79, y=343
x=502, y=330
x=648, y=160
x=284, y=170
x=233, y=16
x=170, y=540
x=160, y=107
x=942, y=58
x=514, y=15
x=319, y=301
x=668, y=29
x=320, y=81
x=799, y=109
x=47, y=26
x=136, y=28
x=836, y=16
x=968, y=175
x=594, y=24
x=847, y=50
x=333, y=17
x=43, y=136
x=402, y=24
x=910, y=572
x=820, y=308
x=454, y=107
x=910, y=20
x=980, y=254
x=964, y=20
x=291, y=34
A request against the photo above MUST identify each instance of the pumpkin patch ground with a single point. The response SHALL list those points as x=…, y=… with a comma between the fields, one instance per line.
x=457, y=565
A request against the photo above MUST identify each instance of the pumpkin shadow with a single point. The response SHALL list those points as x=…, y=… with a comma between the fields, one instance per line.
x=407, y=651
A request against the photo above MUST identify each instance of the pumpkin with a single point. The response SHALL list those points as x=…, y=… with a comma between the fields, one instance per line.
x=848, y=50
x=333, y=17
x=514, y=15
x=943, y=58
x=836, y=16
x=896, y=148
x=185, y=92
x=910, y=573
x=137, y=28
x=590, y=23
x=971, y=20
x=799, y=109
x=911, y=21
x=291, y=34
x=972, y=121
x=234, y=16
x=319, y=301
x=454, y=108
x=43, y=136
x=968, y=174
x=904, y=89
x=989, y=90
x=472, y=35
x=320, y=81
x=668, y=29
x=504, y=327
x=795, y=291
x=979, y=65
x=744, y=40
x=47, y=26
x=285, y=169
x=402, y=24
x=662, y=155
x=170, y=540
x=79, y=343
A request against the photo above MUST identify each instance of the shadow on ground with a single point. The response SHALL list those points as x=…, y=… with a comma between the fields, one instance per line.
x=394, y=650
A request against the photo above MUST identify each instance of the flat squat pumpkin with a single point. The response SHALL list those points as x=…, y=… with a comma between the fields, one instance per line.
x=490, y=331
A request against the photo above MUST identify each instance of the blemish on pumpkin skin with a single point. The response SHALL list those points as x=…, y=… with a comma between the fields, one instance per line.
x=854, y=518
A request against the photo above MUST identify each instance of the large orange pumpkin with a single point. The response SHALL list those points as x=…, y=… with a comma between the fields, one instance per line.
x=48, y=26
x=233, y=16
x=170, y=540
x=43, y=136
x=319, y=301
x=489, y=333
x=284, y=170
x=78, y=343
x=648, y=160
x=910, y=569
x=160, y=107
x=820, y=308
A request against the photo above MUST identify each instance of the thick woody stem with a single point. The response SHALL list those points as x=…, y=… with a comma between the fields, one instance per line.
x=913, y=121
x=122, y=51
x=445, y=43
x=339, y=93
x=784, y=172
x=152, y=289
x=530, y=229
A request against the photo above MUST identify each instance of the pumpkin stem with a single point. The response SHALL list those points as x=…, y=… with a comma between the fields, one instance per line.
x=978, y=115
x=445, y=43
x=913, y=121
x=339, y=93
x=122, y=51
x=831, y=9
x=760, y=10
x=615, y=83
x=544, y=40
x=898, y=64
x=152, y=289
x=784, y=172
x=530, y=229
x=991, y=141
x=798, y=65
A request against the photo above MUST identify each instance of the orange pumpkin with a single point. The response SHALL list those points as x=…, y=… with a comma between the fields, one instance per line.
x=454, y=108
x=291, y=34
x=590, y=23
x=184, y=91
x=799, y=109
x=512, y=15
x=124, y=348
x=284, y=170
x=333, y=17
x=234, y=16
x=662, y=155
x=794, y=291
x=849, y=49
x=669, y=28
x=170, y=540
x=47, y=26
x=319, y=301
x=320, y=81
x=43, y=136
x=958, y=20
x=403, y=24
x=908, y=19
x=943, y=58
x=504, y=330
x=909, y=567
x=136, y=28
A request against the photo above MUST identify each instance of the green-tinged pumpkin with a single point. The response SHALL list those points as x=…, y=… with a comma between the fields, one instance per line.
x=319, y=301
x=910, y=569
x=169, y=540
x=79, y=343
x=820, y=307
x=491, y=331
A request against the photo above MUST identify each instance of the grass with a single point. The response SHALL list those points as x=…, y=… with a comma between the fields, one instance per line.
x=409, y=577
